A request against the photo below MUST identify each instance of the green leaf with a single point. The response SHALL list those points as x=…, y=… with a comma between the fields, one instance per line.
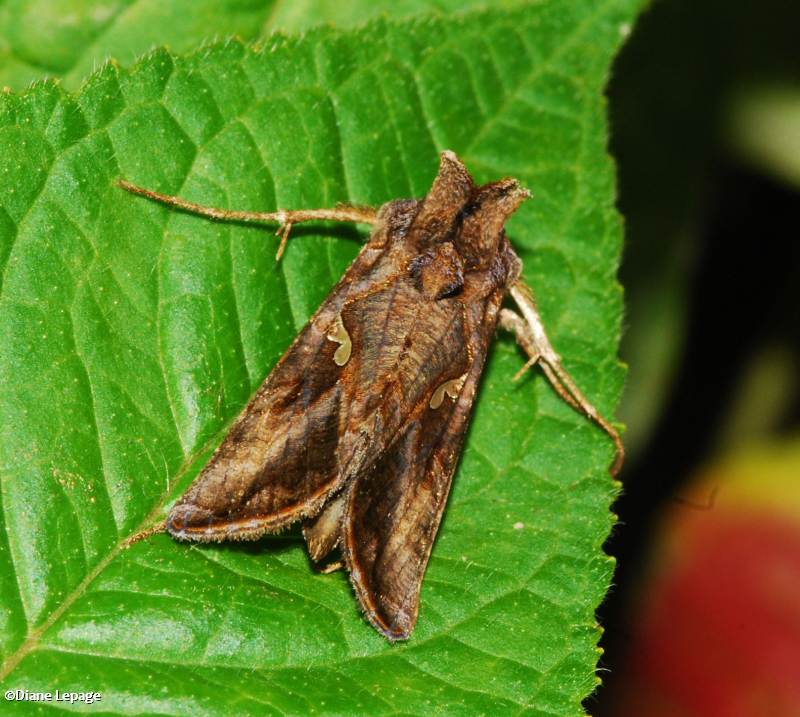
x=67, y=39
x=131, y=335
x=302, y=14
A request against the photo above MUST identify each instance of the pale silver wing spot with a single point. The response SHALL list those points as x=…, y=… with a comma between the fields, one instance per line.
x=338, y=334
x=451, y=388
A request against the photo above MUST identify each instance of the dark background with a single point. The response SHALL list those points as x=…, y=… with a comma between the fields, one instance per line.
x=711, y=266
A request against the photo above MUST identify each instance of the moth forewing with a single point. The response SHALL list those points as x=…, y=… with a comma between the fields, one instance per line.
x=395, y=508
x=358, y=429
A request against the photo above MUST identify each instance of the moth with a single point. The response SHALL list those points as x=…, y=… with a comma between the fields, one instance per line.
x=358, y=429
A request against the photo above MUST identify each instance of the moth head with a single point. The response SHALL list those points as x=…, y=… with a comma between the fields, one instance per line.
x=471, y=217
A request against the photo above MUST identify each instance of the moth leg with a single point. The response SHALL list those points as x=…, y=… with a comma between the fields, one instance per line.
x=531, y=336
x=514, y=323
x=331, y=567
x=284, y=218
x=283, y=233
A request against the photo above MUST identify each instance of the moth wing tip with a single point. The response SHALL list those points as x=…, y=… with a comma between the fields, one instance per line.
x=397, y=629
x=394, y=637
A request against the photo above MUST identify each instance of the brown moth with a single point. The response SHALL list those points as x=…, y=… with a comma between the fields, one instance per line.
x=357, y=430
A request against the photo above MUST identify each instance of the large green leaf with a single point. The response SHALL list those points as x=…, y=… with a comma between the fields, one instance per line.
x=69, y=38
x=131, y=335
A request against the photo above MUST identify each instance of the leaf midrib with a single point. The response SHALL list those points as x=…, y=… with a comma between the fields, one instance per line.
x=36, y=633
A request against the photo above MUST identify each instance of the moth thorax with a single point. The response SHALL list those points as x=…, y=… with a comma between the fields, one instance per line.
x=439, y=272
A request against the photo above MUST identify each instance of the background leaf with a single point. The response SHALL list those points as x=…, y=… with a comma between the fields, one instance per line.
x=130, y=336
x=67, y=39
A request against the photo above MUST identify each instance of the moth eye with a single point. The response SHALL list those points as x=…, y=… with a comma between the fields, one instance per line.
x=339, y=335
x=469, y=209
x=450, y=388
x=451, y=290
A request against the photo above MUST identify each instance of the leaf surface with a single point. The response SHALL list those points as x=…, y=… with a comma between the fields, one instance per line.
x=68, y=39
x=131, y=336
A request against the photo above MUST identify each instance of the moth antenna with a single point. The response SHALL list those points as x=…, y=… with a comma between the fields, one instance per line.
x=284, y=218
x=146, y=533
x=531, y=336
